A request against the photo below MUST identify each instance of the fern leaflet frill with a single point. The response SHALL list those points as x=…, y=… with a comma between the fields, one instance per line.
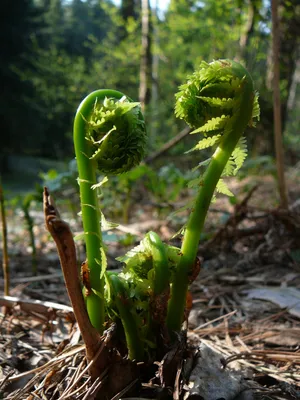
x=206, y=143
x=226, y=103
x=239, y=154
x=223, y=188
x=256, y=110
x=213, y=125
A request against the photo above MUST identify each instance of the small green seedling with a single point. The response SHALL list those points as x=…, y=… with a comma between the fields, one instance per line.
x=25, y=203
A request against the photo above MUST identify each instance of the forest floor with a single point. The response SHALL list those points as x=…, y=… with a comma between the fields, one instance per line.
x=246, y=299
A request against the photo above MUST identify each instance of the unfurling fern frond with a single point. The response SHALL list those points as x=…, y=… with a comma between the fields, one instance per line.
x=109, y=135
x=210, y=102
x=116, y=130
x=218, y=100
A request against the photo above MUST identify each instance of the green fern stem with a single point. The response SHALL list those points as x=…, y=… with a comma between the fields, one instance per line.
x=134, y=344
x=109, y=137
x=160, y=263
x=232, y=133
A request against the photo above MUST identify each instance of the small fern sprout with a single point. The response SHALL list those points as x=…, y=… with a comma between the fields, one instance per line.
x=130, y=326
x=219, y=102
x=110, y=136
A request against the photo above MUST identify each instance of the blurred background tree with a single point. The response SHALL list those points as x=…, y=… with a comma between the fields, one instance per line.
x=54, y=52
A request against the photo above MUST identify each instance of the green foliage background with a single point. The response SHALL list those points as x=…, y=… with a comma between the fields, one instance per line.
x=54, y=52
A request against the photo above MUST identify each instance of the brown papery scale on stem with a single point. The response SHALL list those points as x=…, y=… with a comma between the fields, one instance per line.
x=159, y=306
x=85, y=278
x=194, y=272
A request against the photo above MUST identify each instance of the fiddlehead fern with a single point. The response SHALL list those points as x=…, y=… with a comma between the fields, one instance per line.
x=147, y=275
x=109, y=135
x=218, y=101
x=116, y=131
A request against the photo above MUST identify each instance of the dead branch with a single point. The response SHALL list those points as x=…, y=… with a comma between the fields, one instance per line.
x=167, y=146
x=62, y=235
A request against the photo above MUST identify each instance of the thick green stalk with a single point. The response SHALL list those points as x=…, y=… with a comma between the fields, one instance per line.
x=134, y=344
x=234, y=131
x=89, y=203
x=160, y=263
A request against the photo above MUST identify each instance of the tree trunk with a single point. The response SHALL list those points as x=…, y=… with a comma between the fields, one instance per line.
x=146, y=56
x=289, y=15
x=155, y=67
x=129, y=8
x=289, y=34
x=277, y=107
x=252, y=17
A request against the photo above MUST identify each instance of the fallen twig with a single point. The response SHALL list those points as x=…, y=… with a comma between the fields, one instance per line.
x=37, y=306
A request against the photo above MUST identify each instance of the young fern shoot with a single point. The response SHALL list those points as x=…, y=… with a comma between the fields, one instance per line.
x=109, y=136
x=219, y=102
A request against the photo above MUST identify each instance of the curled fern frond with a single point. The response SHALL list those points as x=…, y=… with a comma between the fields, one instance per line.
x=219, y=102
x=211, y=98
x=109, y=133
x=141, y=261
x=210, y=102
x=117, y=134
